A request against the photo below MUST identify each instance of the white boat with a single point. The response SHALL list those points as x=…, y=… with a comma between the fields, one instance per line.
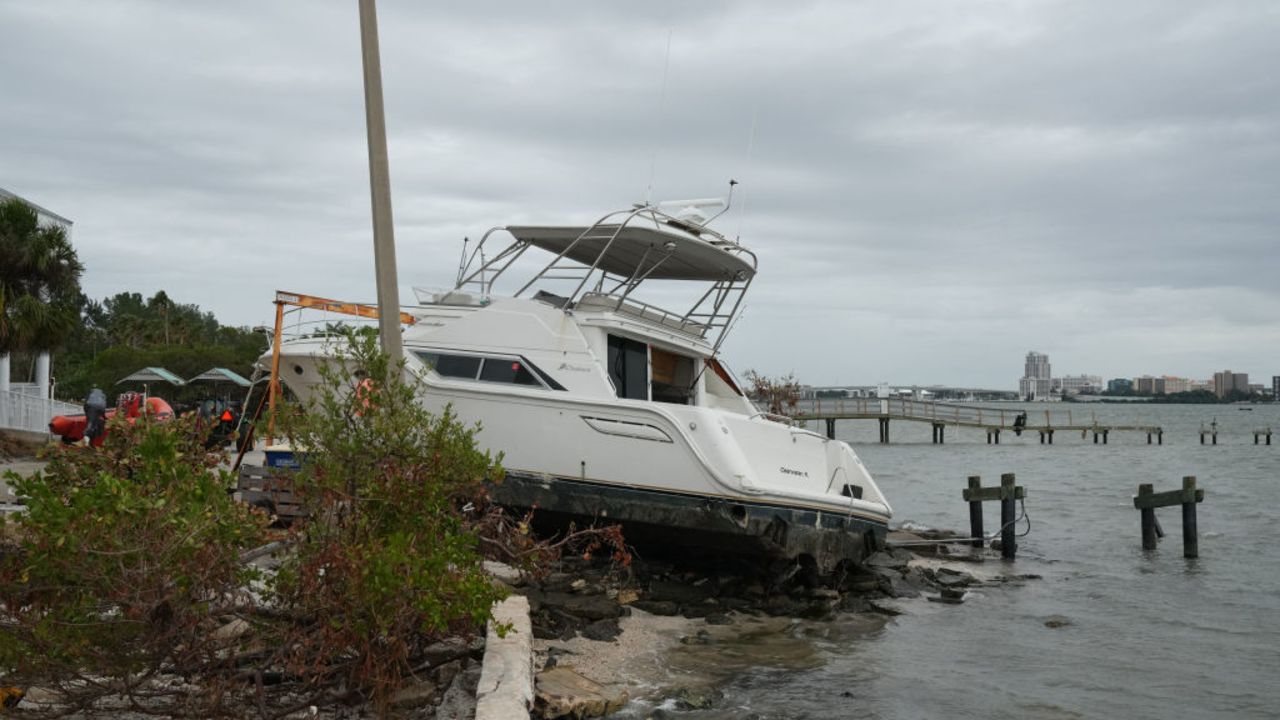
x=609, y=407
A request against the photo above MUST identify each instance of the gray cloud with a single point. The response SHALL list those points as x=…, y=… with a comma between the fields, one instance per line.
x=933, y=188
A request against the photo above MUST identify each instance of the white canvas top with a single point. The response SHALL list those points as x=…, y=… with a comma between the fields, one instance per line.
x=692, y=258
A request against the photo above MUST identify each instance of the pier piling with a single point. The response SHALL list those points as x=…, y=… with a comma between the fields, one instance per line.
x=1147, y=501
x=831, y=429
x=1008, y=494
x=1008, y=538
x=975, y=511
x=1148, y=518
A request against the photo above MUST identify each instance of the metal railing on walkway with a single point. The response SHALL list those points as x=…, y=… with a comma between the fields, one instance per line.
x=19, y=411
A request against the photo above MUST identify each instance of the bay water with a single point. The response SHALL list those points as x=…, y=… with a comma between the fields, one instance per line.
x=1147, y=634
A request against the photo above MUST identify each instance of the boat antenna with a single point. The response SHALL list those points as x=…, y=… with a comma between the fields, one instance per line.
x=727, y=204
x=751, y=144
x=462, y=261
x=657, y=129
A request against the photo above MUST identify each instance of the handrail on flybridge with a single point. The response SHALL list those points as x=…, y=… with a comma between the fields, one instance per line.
x=610, y=258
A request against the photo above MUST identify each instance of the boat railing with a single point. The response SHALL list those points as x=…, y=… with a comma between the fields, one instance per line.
x=597, y=287
x=642, y=310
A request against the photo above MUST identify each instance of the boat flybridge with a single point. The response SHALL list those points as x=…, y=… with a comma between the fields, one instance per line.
x=609, y=407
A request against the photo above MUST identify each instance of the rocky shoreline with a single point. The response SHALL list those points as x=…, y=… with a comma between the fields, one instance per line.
x=605, y=636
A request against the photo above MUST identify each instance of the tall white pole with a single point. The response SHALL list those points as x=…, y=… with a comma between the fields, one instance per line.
x=384, y=241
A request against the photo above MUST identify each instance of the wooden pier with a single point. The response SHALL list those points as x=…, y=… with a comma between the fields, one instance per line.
x=995, y=421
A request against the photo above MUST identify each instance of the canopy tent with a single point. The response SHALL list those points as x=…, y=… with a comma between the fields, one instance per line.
x=153, y=375
x=218, y=375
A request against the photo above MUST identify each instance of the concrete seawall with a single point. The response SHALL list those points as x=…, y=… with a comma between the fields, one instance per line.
x=505, y=691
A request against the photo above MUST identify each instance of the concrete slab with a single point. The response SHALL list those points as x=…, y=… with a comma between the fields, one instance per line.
x=505, y=691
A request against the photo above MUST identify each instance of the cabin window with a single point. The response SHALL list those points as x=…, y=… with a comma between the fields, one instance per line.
x=673, y=377
x=456, y=366
x=629, y=368
x=507, y=371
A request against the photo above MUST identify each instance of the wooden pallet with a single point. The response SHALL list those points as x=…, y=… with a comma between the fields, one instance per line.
x=271, y=489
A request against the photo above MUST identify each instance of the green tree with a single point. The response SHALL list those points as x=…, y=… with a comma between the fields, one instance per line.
x=39, y=281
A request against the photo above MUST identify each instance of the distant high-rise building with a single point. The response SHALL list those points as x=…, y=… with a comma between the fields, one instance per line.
x=1275, y=388
x=1119, y=386
x=1145, y=385
x=1037, y=378
x=1227, y=381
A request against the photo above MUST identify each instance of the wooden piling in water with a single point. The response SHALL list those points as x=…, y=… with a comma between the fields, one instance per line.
x=1007, y=493
x=975, y=512
x=1148, y=518
x=1008, y=538
x=831, y=429
x=1147, y=501
x=1190, y=533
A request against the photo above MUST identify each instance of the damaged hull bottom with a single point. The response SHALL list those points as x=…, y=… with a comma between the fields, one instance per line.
x=706, y=525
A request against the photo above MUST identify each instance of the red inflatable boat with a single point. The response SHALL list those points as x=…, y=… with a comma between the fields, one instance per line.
x=71, y=428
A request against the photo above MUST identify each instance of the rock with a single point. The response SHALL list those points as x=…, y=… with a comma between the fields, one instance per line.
x=626, y=597
x=698, y=610
x=946, y=577
x=602, y=631
x=893, y=558
x=578, y=585
x=444, y=675
x=561, y=692
x=657, y=607
x=824, y=594
x=884, y=609
x=554, y=654
x=862, y=584
x=417, y=695
x=819, y=609
x=899, y=587
x=719, y=619
x=1057, y=621
x=452, y=649
x=587, y=607
x=735, y=603
x=780, y=606
x=853, y=603
x=680, y=593
x=687, y=698
x=504, y=572
x=231, y=631
x=459, y=701
x=558, y=582
x=701, y=638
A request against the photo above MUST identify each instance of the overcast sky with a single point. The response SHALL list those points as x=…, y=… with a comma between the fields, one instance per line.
x=933, y=188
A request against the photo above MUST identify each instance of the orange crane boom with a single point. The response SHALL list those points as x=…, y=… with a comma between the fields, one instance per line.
x=318, y=303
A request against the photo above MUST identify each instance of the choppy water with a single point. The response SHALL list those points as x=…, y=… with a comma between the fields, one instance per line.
x=1151, y=635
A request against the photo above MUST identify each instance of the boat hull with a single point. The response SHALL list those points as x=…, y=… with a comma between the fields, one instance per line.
x=703, y=525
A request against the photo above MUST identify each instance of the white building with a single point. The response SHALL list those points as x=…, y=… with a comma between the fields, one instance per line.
x=41, y=387
x=1037, y=378
x=1075, y=384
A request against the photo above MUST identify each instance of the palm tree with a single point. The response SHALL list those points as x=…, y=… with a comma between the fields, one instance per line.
x=39, y=281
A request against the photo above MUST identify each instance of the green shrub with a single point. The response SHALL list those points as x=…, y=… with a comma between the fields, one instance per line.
x=123, y=555
x=390, y=559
